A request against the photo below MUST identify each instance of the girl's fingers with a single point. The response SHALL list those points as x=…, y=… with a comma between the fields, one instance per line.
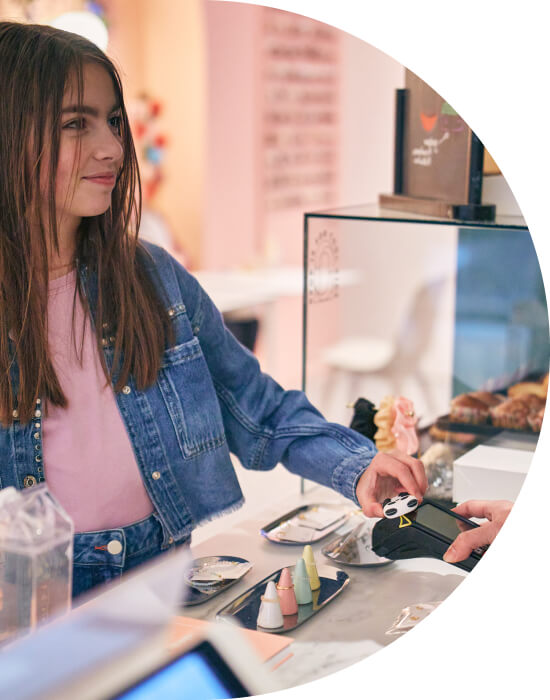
x=372, y=509
x=416, y=467
x=402, y=472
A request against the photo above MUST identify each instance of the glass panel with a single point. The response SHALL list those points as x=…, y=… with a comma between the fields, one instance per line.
x=374, y=212
x=501, y=319
x=426, y=310
x=379, y=314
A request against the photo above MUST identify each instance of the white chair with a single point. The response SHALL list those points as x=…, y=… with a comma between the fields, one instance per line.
x=356, y=359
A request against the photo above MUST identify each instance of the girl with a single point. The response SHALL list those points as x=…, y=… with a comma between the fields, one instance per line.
x=119, y=383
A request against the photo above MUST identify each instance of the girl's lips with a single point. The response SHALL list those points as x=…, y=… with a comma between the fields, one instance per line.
x=107, y=180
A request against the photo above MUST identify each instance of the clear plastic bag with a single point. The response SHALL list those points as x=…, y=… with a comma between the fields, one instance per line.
x=411, y=616
x=355, y=546
x=438, y=463
x=36, y=554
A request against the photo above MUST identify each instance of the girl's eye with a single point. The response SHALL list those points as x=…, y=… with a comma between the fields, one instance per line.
x=116, y=123
x=77, y=124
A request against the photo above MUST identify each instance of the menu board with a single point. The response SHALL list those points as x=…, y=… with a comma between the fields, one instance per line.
x=442, y=158
x=300, y=105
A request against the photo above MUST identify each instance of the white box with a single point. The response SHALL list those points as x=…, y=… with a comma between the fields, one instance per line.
x=490, y=473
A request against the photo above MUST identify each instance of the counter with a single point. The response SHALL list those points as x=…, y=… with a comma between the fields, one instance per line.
x=352, y=626
x=107, y=639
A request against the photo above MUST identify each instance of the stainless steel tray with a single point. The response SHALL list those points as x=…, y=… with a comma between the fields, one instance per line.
x=354, y=548
x=278, y=530
x=245, y=608
x=196, y=596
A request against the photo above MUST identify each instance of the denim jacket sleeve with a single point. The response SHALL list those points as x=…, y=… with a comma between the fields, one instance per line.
x=264, y=424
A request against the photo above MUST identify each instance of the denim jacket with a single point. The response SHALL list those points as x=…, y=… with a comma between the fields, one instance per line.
x=210, y=399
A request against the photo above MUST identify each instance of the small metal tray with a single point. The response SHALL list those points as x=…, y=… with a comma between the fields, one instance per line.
x=275, y=531
x=246, y=607
x=354, y=548
x=196, y=596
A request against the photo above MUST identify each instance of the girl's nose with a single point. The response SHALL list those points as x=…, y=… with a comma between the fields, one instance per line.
x=109, y=146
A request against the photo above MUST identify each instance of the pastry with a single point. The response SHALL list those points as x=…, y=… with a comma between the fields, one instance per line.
x=488, y=397
x=465, y=408
x=450, y=436
x=533, y=402
x=535, y=420
x=539, y=389
x=474, y=406
x=514, y=412
x=525, y=388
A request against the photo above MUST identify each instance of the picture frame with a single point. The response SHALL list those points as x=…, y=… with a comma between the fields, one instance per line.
x=438, y=159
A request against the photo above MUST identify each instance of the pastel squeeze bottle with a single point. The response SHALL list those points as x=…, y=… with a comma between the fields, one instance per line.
x=302, y=587
x=311, y=568
x=270, y=615
x=285, y=591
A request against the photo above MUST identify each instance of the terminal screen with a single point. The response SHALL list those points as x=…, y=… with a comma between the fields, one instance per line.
x=440, y=521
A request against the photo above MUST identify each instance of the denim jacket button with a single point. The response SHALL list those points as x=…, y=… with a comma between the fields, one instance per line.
x=170, y=540
x=126, y=389
x=114, y=547
x=15, y=413
x=37, y=413
x=156, y=475
x=29, y=480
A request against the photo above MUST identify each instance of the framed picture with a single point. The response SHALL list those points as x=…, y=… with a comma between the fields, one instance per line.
x=438, y=169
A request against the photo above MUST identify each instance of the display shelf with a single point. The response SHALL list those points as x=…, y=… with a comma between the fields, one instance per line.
x=373, y=212
x=405, y=304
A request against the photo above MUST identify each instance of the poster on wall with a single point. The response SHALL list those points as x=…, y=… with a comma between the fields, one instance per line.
x=300, y=106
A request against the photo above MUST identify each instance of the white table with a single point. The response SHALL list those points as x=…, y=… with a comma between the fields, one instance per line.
x=237, y=290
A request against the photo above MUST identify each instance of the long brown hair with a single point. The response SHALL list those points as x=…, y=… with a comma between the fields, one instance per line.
x=36, y=63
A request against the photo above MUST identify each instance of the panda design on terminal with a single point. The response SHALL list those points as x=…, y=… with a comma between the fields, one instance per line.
x=399, y=505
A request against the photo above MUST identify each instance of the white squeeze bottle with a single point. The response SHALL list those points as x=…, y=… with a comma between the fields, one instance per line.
x=36, y=558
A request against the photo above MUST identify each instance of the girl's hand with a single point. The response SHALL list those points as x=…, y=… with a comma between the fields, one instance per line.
x=388, y=474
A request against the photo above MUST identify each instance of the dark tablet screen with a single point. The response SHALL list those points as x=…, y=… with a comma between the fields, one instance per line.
x=440, y=521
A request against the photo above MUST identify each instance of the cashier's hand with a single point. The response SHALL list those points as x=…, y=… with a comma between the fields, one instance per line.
x=496, y=513
x=388, y=474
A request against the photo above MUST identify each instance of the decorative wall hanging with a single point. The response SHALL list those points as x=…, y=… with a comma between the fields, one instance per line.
x=150, y=142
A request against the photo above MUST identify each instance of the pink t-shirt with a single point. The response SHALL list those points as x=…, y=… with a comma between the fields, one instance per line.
x=89, y=463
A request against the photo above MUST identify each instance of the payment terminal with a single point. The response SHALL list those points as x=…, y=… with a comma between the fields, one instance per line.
x=427, y=531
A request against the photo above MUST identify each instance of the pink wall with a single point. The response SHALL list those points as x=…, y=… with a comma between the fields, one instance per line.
x=238, y=231
x=231, y=211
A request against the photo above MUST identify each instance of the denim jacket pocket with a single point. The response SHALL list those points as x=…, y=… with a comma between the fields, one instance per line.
x=190, y=398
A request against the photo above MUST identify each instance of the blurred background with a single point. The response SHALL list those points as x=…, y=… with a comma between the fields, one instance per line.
x=245, y=118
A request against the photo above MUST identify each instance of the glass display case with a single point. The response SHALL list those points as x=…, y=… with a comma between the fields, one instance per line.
x=399, y=304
